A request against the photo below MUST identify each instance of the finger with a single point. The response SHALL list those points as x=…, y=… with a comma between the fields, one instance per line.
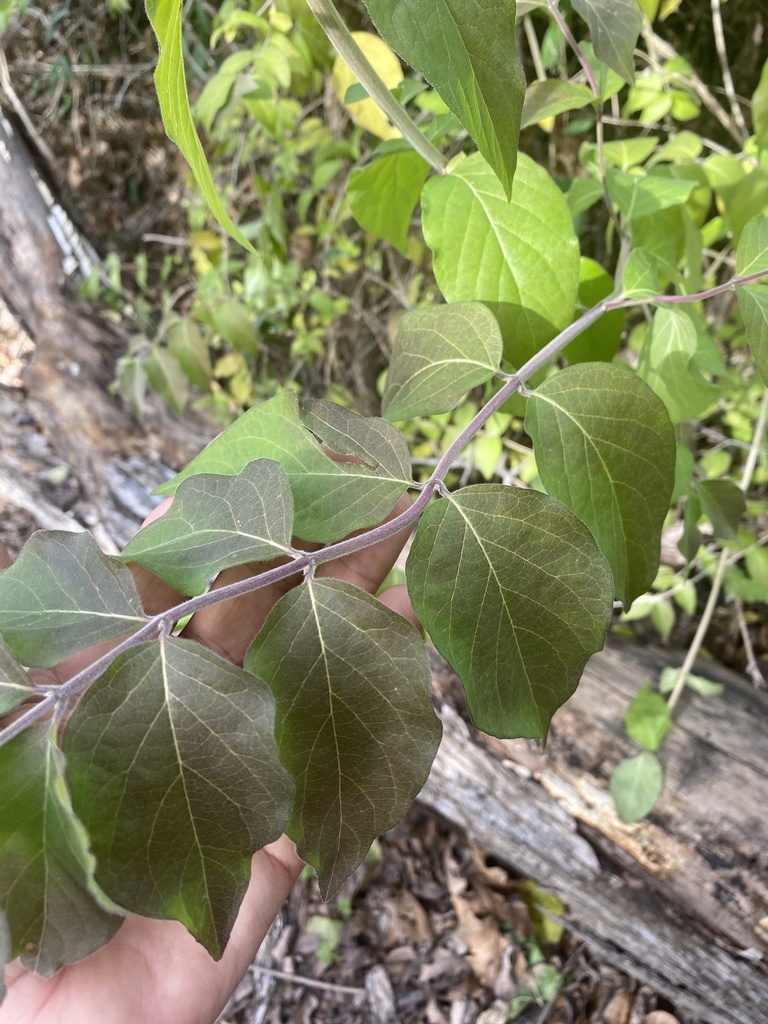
x=368, y=568
x=397, y=600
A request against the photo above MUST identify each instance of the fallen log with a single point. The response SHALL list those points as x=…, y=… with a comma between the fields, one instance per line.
x=679, y=900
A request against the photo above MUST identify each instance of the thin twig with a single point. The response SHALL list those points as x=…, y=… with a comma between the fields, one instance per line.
x=577, y=51
x=752, y=668
x=300, y=979
x=725, y=68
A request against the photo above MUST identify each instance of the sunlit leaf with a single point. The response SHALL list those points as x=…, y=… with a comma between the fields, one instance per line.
x=63, y=594
x=440, y=352
x=216, y=522
x=751, y=258
x=173, y=770
x=365, y=112
x=165, y=17
x=331, y=498
x=46, y=869
x=383, y=195
x=467, y=50
x=355, y=723
x=15, y=684
x=615, y=26
x=605, y=446
x=641, y=279
x=648, y=718
x=553, y=96
x=644, y=195
x=699, y=684
x=516, y=595
x=636, y=785
x=521, y=258
x=759, y=109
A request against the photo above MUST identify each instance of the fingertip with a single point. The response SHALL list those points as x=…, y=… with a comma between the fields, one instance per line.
x=158, y=511
x=397, y=600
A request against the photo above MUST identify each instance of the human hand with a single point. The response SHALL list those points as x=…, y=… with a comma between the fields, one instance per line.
x=152, y=971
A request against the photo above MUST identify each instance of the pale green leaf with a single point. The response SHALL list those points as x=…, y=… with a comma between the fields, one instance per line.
x=355, y=724
x=752, y=250
x=760, y=109
x=605, y=446
x=15, y=684
x=466, y=49
x=615, y=26
x=383, y=195
x=216, y=522
x=641, y=279
x=667, y=364
x=46, y=869
x=63, y=594
x=440, y=352
x=165, y=17
x=723, y=503
x=235, y=323
x=626, y=153
x=331, y=498
x=648, y=718
x=516, y=595
x=174, y=771
x=699, y=684
x=520, y=258
x=639, y=195
x=551, y=97
x=636, y=785
x=753, y=304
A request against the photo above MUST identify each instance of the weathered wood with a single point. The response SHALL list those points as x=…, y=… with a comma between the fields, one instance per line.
x=678, y=901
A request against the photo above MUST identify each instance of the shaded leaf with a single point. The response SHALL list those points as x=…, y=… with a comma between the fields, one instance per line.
x=600, y=340
x=187, y=343
x=667, y=364
x=723, y=503
x=520, y=258
x=235, y=323
x=15, y=684
x=355, y=724
x=167, y=379
x=63, y=594
x=165, y=16
x=605, y=446
x=383, y=195
x=216, y=522
x=615, y=26
x=466, y=49
x=532, y=602
x=331, y=499
x=46, y=869
x=553, y=96
x=636, y=785
x=648, y=718
x=440, y=352
x=174, y=771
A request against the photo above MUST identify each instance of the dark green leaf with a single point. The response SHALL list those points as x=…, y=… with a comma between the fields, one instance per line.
x=174, y=771
x=553, y=96
x=605, y=446
x=516, y=596
x=690, y=541
x=216, y=522
x=667, y=365
x=440, y=352
x=723, y=503
x=521, y=258
x=467, y=50
x=355, y=723
x=648, y=718
x=46, y=869
x=602, y=339
x=636, y=785
x=331, y=499
x=15, y=684
x=615, y=26
x=383, y=195
x=166, y=19
x=167, y=379
x=63, y=594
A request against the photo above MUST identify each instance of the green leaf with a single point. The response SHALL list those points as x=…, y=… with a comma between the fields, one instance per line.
x=440, y=352
x=235, y=323
x=760, y=109
x=165, y=17
x=752, y=250
x=642, y=195
x=174, y=771
x=626, y=153
x=216, y=522
x=63, y=594
x=615, y=26
x=601, y=340
x=723, y=503
x=15, y=684
x=605, y=446
x=466, y=49
x=383, y=195
x=187, y=344
x=636, y=785
x=667, y=365
x=167, y=379
x=699, y=684
x=751, y=258
x=551, y=97
x=648, y=718
x=641, y=279
x=516, y=595
x=46, y=869
x=355, y=724
x=331, y=499
x=521, y=258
